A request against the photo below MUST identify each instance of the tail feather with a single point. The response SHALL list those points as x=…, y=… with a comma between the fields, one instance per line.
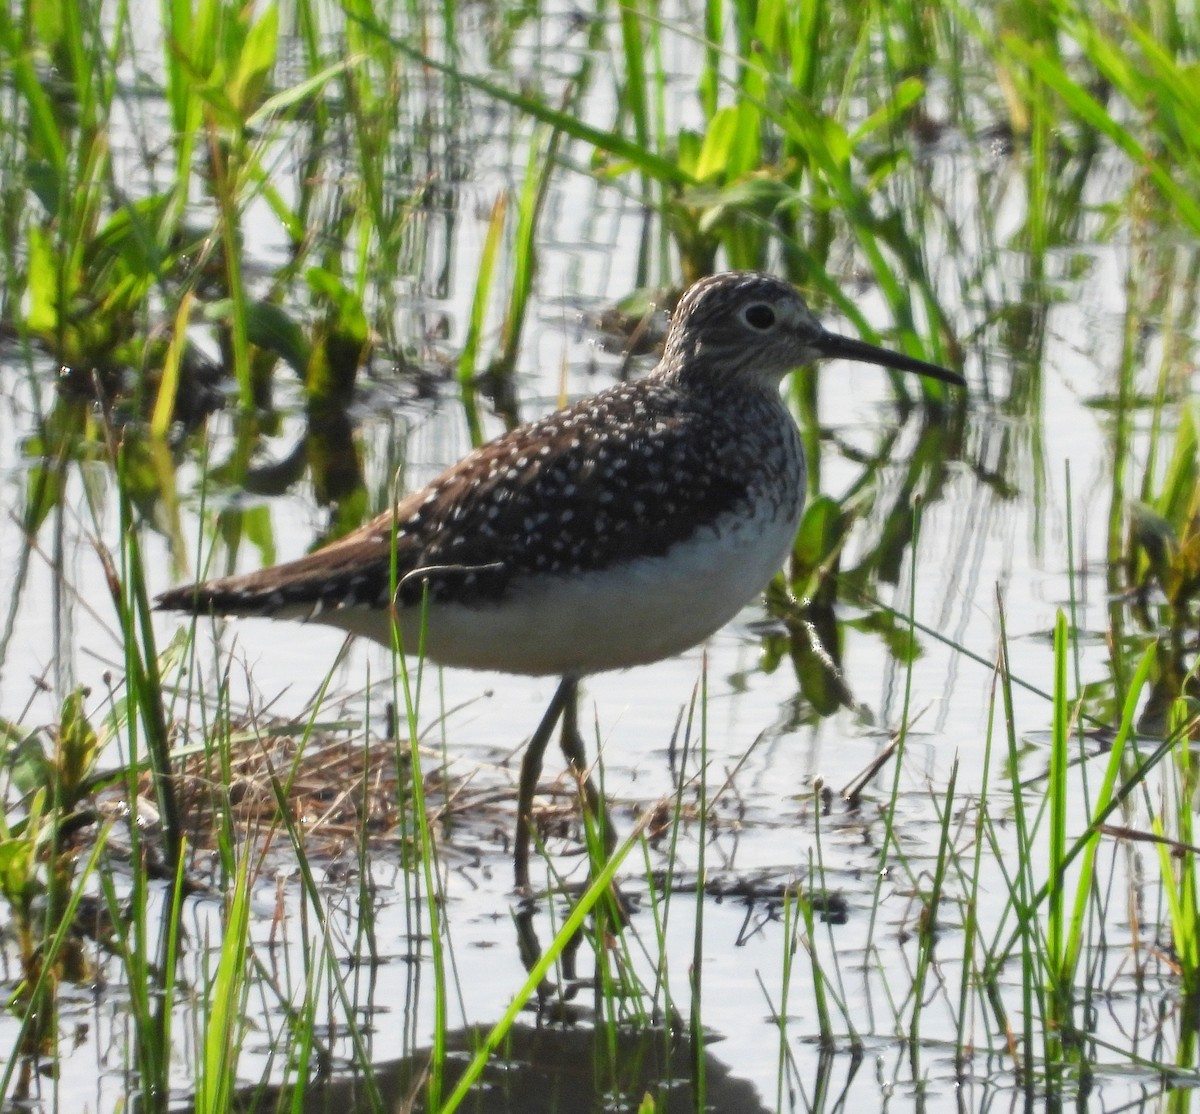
x=336, y=577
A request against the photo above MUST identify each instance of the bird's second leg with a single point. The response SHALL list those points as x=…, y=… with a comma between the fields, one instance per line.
x=531, y=769
x=576, y=755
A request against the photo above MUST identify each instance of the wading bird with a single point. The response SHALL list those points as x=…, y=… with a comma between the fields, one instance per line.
x=620, y=530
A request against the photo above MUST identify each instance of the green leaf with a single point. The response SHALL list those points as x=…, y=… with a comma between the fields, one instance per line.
x=130, y=237
x=24, y=758
x=18, y=855
x=42, y=283
x=168, y=387
x=78, y=745
x=298, y=93
x=255, y=62
x=16, y=874
x=716, y=153
x=760, y=195
x=41, y=125
x=348, y=315
x=887, y=116
x=820, y=530
x=270, y=326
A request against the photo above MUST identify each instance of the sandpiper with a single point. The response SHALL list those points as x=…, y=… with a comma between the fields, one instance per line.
x=620, y=530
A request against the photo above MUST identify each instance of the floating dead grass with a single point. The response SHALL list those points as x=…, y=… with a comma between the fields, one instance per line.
x=343, y=793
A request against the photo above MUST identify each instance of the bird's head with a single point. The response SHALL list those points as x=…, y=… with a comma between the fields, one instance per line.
x=742, y=323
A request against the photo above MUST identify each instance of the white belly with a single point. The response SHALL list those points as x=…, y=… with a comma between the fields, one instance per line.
x=631, y=614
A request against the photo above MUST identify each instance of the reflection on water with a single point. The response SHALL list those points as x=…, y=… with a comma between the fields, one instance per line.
x=554, y=1069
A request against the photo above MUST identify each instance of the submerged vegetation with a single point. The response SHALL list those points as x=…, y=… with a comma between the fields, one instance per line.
x=242, y=247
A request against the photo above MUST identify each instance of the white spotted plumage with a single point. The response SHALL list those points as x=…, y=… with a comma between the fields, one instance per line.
x=614, y=532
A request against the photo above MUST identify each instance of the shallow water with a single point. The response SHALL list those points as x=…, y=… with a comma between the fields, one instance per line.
x=766, y=750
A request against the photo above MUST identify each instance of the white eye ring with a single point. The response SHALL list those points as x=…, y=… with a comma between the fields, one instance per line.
x=760, y=316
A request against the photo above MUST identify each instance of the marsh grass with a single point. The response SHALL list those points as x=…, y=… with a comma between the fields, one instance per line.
x=806, y=139
x=1050, y=930
x=1047, y=1048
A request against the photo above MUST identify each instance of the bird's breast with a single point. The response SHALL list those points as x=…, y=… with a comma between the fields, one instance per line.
x=631, y=612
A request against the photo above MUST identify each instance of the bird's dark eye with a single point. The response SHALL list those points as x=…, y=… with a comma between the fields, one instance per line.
x=759, y=316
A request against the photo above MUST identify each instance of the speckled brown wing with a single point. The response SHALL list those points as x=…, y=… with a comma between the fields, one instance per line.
x=619, y=476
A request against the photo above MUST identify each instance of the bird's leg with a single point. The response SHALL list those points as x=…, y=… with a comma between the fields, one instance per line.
x=531, y=770
x=593, y=802
x=576, y=755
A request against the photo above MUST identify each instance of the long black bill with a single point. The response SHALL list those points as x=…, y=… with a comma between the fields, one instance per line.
x=836, y=346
